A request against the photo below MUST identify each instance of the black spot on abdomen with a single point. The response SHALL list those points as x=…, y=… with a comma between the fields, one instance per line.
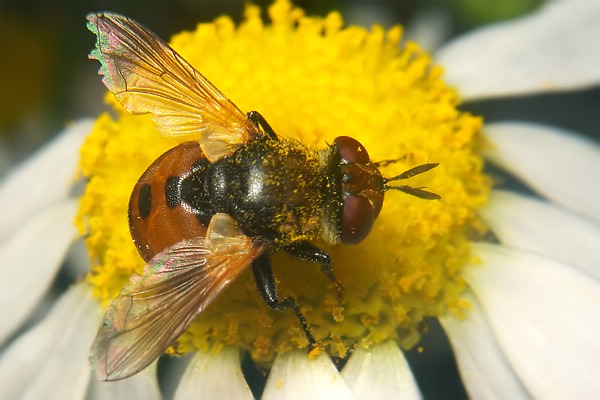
x=145, y=201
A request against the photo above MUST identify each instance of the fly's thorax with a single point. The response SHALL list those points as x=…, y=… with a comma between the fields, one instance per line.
x=272, y=189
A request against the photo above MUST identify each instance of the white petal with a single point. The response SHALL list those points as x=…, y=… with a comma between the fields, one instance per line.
x=380, y=372
x=560, y=165
x=29, y=260
x=43, y=179
x=295, y=376
x=214, y=376
x=529, y=224
x=485, y=371
x=143, y=385
x=51, y=360
x=555, y=48
x=545, y=317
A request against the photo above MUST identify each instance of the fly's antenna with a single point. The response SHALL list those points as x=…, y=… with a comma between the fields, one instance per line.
x=413, y=191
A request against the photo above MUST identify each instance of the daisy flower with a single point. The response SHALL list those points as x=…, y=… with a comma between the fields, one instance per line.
x=512, y=278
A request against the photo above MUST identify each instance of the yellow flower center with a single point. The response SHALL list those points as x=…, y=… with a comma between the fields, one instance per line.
x=314, y=79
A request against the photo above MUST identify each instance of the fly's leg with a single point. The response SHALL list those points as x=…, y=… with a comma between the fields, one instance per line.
x=305, y=251
x=265, y=282
x=258, y=120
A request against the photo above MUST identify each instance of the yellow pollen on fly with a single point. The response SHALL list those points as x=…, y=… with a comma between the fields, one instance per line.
x=314, y=79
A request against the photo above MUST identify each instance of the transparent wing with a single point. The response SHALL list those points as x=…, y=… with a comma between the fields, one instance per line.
x=175, y=287
x=148, y=76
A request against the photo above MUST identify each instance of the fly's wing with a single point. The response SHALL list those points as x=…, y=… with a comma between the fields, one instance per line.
x=175, y=287
x=148, y=76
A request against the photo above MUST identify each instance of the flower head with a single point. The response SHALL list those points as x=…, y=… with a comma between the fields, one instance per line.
x=314, y=79
x=528, y=302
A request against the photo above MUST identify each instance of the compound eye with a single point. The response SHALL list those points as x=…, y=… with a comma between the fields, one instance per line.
x=351, y=150
x=358, y=217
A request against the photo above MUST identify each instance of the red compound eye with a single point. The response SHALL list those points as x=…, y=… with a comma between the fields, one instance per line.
x=358, y=217
x=351, y=150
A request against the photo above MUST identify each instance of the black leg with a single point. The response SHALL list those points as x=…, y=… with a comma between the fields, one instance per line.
x=305, y=251
x=265, y=282
x=259, y=120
